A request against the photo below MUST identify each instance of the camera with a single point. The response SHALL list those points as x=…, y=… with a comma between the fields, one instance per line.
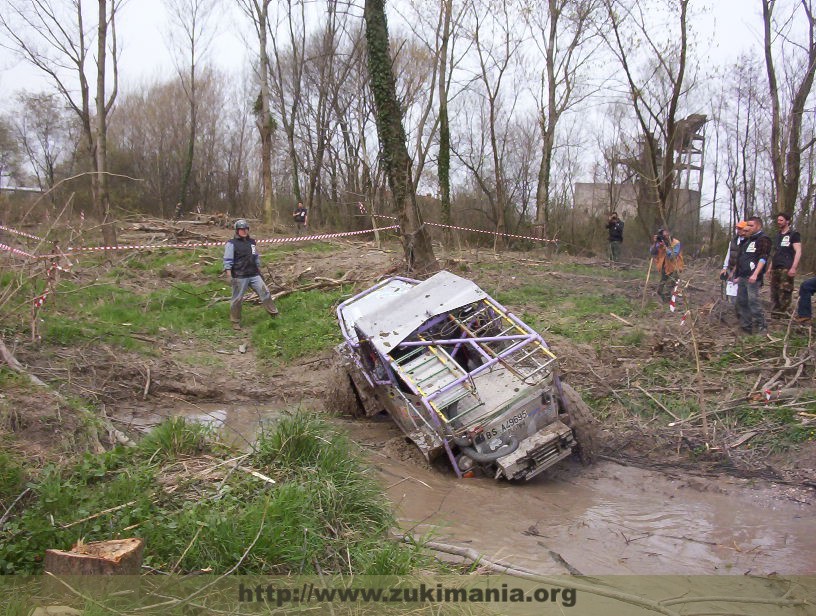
x=659, y=236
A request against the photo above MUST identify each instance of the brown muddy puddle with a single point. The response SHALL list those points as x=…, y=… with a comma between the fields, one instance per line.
x=603, y=519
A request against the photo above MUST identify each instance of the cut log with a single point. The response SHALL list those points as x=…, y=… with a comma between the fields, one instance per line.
x=113, y=557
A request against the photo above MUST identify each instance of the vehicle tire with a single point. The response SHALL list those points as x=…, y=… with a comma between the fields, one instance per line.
x=582, y=423
x=341, y=395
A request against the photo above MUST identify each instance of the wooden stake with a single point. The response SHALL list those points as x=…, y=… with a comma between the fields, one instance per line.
x=646, y=286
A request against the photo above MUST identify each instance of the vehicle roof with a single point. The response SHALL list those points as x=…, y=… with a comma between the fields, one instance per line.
x=404, y=311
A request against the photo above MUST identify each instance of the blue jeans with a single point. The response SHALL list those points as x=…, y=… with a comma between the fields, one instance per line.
x=806, y=290
x=749, y=306
x=239, y=287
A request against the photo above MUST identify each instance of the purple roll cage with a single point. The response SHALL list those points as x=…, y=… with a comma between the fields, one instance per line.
x=510, y=349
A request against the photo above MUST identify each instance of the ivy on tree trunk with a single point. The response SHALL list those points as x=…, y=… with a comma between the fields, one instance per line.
x=419, y=256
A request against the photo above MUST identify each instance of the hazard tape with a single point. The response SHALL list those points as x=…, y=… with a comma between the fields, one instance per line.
x=520, y=237
x=23, y=233
x=436, y=224
x=16, y=251
x=274, y=240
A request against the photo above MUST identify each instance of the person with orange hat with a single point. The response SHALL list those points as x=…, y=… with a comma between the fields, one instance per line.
x=730, y=262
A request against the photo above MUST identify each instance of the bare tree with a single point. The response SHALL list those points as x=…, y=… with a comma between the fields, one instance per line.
x=52, y=37
x=492, y=32
x=43, y=131
x=258, y=13
x=190, y=38
x=786, y=145
x=10, y=154
x=563, y=34
x=636, y=36
x=419, y=255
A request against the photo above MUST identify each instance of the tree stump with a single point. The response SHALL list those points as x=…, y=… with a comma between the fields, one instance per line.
x=113, y=557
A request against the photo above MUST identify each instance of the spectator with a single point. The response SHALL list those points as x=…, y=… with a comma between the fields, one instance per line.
x=751, y=260
x=668, y=254
x=301, y=216
x=730, y=262
x=615, y=227
x=804, y=310
x=786, y=254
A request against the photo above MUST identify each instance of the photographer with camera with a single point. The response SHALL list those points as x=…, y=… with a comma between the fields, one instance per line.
x=615, y=227
x=668, y=254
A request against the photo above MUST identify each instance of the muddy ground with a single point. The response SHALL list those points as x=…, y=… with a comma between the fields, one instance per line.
x=647, y=506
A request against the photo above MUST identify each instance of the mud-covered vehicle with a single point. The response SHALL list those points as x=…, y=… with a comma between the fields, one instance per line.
x=460, y=375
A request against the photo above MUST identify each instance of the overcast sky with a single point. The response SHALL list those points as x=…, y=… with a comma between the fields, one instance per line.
x=733, y=26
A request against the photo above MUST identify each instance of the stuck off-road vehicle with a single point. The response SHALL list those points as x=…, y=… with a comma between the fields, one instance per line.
x=460, y=375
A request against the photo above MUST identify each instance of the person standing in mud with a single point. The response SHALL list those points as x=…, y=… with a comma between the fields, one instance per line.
x=615, y=227
x=242, y=264
x=668, y=255
x=786, y=254
x=753, y=255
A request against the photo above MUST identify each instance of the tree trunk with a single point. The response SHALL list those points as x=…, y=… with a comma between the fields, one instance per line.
x=264, y=118
x=114, y=557
x=108, y=227
x=444, y=123
x=419, y=255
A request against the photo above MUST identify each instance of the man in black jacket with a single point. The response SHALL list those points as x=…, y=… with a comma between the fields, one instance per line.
x=752, y=259
x=242, y=265
x=615, y=227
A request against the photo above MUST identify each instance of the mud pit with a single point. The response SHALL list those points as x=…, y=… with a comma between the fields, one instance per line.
x=604, y=519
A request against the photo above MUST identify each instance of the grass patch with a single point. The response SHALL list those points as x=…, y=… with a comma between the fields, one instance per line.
x=307, y=325
x=326, y=510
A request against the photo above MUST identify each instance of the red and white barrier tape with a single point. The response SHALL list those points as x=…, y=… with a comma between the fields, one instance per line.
x=436, y=224
x=673, y=302
x=16, y=251
x=23, y=233
x=274, y=240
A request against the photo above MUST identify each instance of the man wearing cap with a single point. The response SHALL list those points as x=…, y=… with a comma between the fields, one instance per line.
x=730, y=262
x=786, y=255
x=242, y=264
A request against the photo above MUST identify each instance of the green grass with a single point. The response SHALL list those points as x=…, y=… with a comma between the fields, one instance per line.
x=307, y=325
x=325, y=511
x=106, y=310
x=580, y=317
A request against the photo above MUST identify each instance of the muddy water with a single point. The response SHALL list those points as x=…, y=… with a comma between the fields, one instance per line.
x=604, y=519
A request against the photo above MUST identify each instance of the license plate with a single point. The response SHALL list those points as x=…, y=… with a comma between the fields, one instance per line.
x=500, y=428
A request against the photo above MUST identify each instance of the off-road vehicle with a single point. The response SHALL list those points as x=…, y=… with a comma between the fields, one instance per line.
x=460, y=375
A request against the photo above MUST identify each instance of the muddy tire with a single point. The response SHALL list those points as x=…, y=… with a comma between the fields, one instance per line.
x=582, y=423
x=341, y=395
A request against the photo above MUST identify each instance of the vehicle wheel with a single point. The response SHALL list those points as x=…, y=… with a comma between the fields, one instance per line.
x=581, y=421
x=341, y=395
